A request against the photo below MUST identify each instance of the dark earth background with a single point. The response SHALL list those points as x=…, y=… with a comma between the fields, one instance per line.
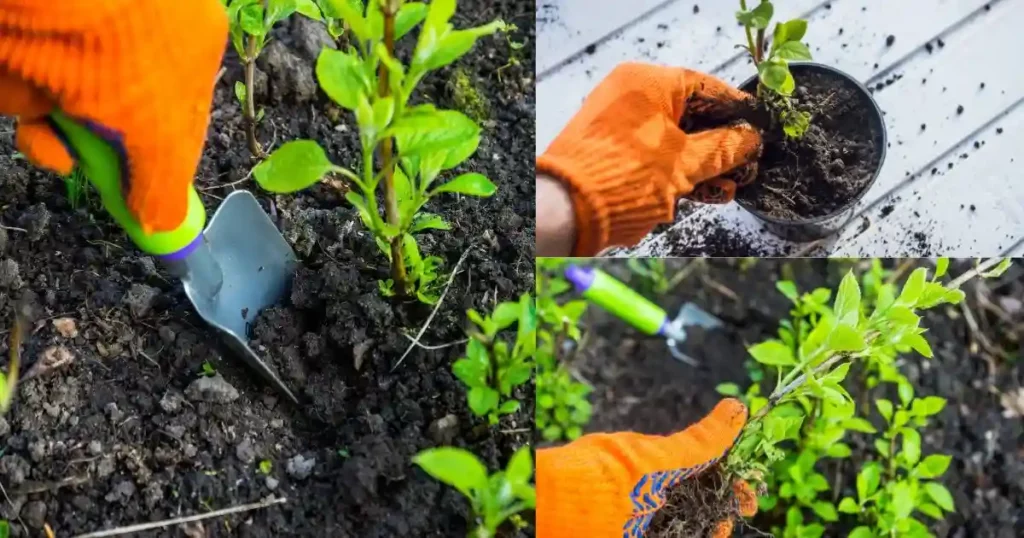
x=129, y=432
x=638, y=386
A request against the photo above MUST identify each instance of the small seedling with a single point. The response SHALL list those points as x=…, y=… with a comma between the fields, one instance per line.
x=490, y=369
x=266, y=466
x=415, y=143
x=77, y=187
x=9, y=381
x=775, y=81
x=251, y=22
x=494, y=499
x=514, y=47
x=208, y=369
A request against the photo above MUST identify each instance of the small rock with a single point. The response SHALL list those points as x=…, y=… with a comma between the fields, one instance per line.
x=213, y=389
x=444, y=429
x=122, y=491
x=171, y=402
x=10, y=275
x=37, y=451
x=300, y=468
x=15, y=468
x=140, y=299
x=53, y=358
x=272, y=483
x=36, y=220
x=66, y=327
x=359, y=353
x=311, y=37
x=289, y=74
x=95, y=448
x=245, y=452
x=167, y=334
x=34, y=514
x=113, y=412
x=190, y=450
x=276, y=423
x=153, y=494
x=176, y=431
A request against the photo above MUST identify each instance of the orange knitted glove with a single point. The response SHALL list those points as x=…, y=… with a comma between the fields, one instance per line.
x=611, y=485
x=627, y=161
x=139, y=74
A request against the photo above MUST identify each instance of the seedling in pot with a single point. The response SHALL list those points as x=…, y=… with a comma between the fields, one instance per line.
x=415, y=143
x=251, y=22
x=493, y=499
x=776, y=82
x=490, y=369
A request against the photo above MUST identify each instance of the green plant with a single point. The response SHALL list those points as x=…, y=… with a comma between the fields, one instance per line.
x=490, y=369
x=266, y=466
x=562, y=407
x=208, y=369
x=773, y=63
x=493, y=499
x=77, y=187
x=514, y=48
x=369, y=80
x=9, y=381
x=654, y=279
x=808, y=413
x=250, y=24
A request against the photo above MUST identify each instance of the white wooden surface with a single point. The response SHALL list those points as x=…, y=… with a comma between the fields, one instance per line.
x=582, y=40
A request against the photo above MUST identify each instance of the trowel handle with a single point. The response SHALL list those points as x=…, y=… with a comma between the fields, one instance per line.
x=611, y=295
x=101, y=164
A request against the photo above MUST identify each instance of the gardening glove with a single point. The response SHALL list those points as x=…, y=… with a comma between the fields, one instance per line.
x=626, y=160
x=611, y=485
x=138, y=74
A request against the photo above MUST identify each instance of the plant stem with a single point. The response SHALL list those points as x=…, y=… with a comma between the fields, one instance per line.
x=250, y=99
x=398, y=274
x=981, y=268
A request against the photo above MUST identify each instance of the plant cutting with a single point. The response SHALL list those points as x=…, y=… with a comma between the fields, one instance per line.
x=808, y=412
x=415, y=144
x=251, y=22
x=493, y=499
x=824, y=138
x=490, y=369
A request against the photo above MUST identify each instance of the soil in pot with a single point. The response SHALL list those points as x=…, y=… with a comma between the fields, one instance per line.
x=832, y=164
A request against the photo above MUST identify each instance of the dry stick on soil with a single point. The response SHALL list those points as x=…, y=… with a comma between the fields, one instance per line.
x=435, y=348
x=423, y=329
x=188, y=519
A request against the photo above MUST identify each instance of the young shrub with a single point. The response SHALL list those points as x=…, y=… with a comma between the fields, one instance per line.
x=562, y=406
x=251, y=22
x=490, y=369
x=494, y=499
x=416, y=144
x=776, y=83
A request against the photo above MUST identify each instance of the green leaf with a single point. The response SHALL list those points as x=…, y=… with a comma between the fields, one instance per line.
x=471, y=184
x=342, y=77
x=846, y=338
x=906, y=392
x=351, y=13
x=359, y=203
x=849, y=506
x=838, y=450
x=931, y=405
x=470, y=372
x=941, y=266
x=825, y=510
x=913, y=287
x=930, y=509
x=552, y=433
x=858, y=424
x=861, y=532
x=998, y=270
x=428, y=221
x=728, y=389
x=792, y=50
x=409, y=15
x=885, y=408
x=847, y=305
x=793, y=30
x=933, y=466
x=509, y=407
x=250, y=19
x=940, y=495
x=918, y=344
x=482, y=400
x=867, y=481
x=426, y=130
x=240, y=92
x=773, y=353
x=505, y=314
x=520, y=467
x=902, y=500
x=911, y=446
x=292, y=167
x=788, y=289
x=776, y=76
x=308, y=8
x=759, y=17
x=455, y=467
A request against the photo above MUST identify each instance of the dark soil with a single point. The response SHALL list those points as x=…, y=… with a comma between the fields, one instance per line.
x=639, y=387
x=831, y=165
x=123, y=435
x=695, y=507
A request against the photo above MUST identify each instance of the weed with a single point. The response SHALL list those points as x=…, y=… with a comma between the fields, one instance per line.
x=490, y=369
x=77, y=187
x=370, y=81
x=495, y=498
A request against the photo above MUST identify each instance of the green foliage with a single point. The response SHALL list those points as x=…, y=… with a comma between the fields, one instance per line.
x=490, y=369
x=377, y=87
x=562, y=406
x=266, y=466
x=773, y=64
x=208, y=369
x=808, y=414
x=77, y=187
x=653, y=278
x=495, y=498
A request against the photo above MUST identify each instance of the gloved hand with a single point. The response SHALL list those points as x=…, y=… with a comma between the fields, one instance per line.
x=603, y=485
x=139, y=74
x=627, y=161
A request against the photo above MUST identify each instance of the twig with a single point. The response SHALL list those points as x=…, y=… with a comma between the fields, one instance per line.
x=226, y=185
x=188, y=519
x=778, y=394
x=435, y=348
x=10, y=502
x=423, y=329
x=803, y=252
x=720, y=288
x=981, y=268
x=14, y=228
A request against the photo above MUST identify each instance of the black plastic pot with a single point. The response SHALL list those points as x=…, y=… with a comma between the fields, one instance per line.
x=818, y=227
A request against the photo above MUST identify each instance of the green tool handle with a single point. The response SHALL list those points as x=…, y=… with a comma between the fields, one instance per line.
x=611, y=295
x=102, y=166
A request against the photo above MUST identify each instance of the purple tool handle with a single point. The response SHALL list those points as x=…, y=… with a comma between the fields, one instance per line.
x=184, y=252
x=581, y=277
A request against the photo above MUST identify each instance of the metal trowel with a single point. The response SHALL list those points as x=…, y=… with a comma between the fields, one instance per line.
x=231, y=270
x=618, y=299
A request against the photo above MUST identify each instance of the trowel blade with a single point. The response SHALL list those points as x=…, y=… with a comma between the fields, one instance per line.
x=690, y=315
x=256, y=264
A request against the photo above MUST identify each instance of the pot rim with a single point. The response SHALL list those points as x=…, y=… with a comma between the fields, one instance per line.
x=882, y=150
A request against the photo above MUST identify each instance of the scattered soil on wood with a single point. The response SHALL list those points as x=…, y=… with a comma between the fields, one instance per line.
x=129, y=432
x=638, y=386
x=831, y=165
